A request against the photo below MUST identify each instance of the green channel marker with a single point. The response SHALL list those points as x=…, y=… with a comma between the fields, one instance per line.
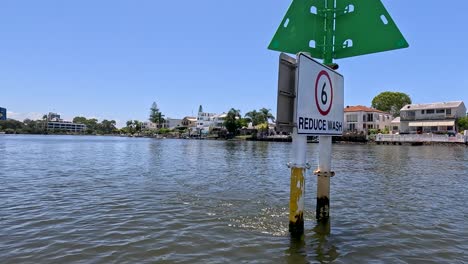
x=300, y=29
x=369, y=29
x=329, y=29
x=361, y=27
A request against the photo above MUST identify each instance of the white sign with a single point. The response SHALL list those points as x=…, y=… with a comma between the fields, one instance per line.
x=320, y=92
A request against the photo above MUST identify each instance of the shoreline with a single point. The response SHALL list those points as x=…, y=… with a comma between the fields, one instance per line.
x=279, y=139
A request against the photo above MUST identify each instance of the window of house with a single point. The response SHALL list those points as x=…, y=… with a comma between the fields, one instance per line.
x=430, y=111
x=440, y=111
x=370, y=117
x=423, y=112
x=352, y=127
x=364, y=119
x=351, y=118
x=377, y=117
x=450, y=128
x=448, y=111
x=364, y=126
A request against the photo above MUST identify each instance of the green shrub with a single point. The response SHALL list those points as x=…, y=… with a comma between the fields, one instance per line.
x=164, y=131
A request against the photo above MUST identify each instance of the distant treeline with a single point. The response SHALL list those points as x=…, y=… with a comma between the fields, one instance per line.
x=28, y=126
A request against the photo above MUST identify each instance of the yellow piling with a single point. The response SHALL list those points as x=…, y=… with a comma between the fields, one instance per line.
x=296, y=201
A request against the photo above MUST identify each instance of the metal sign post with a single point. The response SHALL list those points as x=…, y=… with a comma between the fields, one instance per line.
x=322, y=212
x=325, y=29
x=310, y=96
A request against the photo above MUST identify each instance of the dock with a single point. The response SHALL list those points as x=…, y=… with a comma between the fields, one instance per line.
x=419, y=139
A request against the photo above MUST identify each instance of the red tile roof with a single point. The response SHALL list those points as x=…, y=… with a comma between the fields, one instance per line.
x=361, y=108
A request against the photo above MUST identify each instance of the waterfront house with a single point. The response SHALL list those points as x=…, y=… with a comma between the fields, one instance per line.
x=208, y=121
x=170, y=123
x=148, y=125
x=218, y=120
x=173, y=123
x=432, y=117
x=362, y=118
x=204, y=121
x=189, y=122
x=395, y=125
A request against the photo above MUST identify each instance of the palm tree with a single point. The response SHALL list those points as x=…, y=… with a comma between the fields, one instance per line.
x=231, y=122
x=130, y=125
x=156, y=116
x=266, y=114
x=161, y=120
x=44, y=119
x=234, y=113
x=254, y=117
x=137, y=125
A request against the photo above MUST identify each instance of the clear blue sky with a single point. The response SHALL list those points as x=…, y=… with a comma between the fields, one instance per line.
x=111, y=59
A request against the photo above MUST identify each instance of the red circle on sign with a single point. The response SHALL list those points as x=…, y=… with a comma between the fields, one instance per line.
x=323, y=112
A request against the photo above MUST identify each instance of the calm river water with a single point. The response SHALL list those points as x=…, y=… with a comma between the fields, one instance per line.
x=66, y=199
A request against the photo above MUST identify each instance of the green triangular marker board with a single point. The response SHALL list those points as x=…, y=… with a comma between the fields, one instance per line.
x=361, y=27
x=301, y=29
x=368, y=28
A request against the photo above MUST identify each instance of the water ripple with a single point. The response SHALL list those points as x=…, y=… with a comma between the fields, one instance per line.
x=122, y=200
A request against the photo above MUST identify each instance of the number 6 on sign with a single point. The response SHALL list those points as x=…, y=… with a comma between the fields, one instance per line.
x=324, y=94
x=324, y=79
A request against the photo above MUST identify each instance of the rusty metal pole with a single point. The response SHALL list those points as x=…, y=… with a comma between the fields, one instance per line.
x=297, y=192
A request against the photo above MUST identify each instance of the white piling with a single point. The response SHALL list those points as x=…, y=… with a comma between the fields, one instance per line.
x=324, y=174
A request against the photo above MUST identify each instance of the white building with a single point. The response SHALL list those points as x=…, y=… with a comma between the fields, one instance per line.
x=173, y=123
x=218, y=120
x=170, y=123
x=149, y=126
x=207, y=121
x=54, y=122
x=362, y=118
x=433, y=117
x=66, y=126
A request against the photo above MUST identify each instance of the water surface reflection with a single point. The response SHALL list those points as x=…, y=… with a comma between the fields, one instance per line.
x=126, y=200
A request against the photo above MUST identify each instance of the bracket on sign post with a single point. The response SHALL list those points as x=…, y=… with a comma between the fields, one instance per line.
x=286, y=93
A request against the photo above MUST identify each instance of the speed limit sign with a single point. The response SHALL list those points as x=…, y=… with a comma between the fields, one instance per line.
x=323, y=93
x=319, y=108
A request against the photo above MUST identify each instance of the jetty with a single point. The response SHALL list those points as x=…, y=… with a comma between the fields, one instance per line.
x=418, y=139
